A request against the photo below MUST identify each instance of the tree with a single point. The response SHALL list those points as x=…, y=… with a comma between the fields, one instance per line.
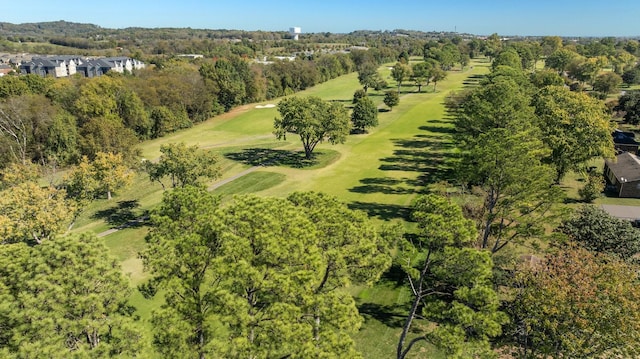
x=181, y=256
x=508, y=57
x=364, y=115
x=622, y=61
x=391, y=99
x=515, y=188
x=273, y=262
x=437, y=75
x=399, y=72
x=353, y=252
x=110, y=172
x=185, y=165
x=607, y=83
x=421, y=74
x=357, y=95
x=630, y=104
x=492, y=46
x=544, y=78
x=574, y=126
x=560, y=59
x=550, y=44
x=70, y=299
x=368, y=76
x=11, y=86
x=24, y=122
x=594, y=229
x=631, y=76
x=494, y=105
x=61, y=142
x=166, y=121
x=313, y=119
x=226, y=81
x=593, y=187
x=262, y=270
x=130, y=109
x=107, y=134
x=28, y=212
x=585, y=70
x=576, y=304
x=450, y=281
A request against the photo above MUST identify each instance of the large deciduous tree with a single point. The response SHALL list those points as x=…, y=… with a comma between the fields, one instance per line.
x=226, y=82
x=28, y=212
x=400, y=72
x=107, y=173
x=575, y=126
x=560, y=60
x=576, y=304
x=368, y=75
x=515, y=188
x=450, y=281
x=314, y=120
x=364, y=115
x=607, y=83
x=421, y=73
x=629, y=103
x=508, y=57
x=495, y=105
x=24, y=123
x=185, y=165
x=111, y=173
x=391, y=99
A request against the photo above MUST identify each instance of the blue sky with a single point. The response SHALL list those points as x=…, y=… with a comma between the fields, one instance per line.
x=481, y=17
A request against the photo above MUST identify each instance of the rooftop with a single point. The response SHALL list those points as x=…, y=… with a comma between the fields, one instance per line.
x=626, y=167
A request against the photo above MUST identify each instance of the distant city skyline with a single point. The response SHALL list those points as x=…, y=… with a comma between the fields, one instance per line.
x=480, y=17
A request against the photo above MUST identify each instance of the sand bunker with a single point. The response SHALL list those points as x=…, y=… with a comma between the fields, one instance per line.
x=269, y=105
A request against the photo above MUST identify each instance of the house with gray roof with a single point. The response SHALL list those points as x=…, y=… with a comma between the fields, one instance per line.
x=623, y=173
x=93, y=68
x=43, y=67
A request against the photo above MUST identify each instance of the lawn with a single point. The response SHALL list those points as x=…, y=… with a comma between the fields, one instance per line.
x=379, y=172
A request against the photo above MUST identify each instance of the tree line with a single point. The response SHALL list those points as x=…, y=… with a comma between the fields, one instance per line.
x=47, y=120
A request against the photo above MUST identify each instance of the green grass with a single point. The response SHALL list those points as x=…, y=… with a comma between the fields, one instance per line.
x=251, y=183
x=380, y=172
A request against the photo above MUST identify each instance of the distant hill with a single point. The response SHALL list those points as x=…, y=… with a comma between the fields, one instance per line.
x=49, y=29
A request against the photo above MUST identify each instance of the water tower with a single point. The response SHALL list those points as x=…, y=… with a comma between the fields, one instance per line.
x=295, y=32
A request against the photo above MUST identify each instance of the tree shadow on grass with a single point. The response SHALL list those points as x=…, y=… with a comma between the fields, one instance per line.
x=384, y=185
x=123, y=214
x=430, y=153
x=386, y=314
x=438, y=129
x=396, y=275
x=271, y=157
x=382, y=211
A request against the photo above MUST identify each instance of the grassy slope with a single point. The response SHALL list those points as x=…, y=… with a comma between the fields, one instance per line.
x=379, y=172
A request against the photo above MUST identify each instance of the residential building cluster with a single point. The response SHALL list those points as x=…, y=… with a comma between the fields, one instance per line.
x=63, y=66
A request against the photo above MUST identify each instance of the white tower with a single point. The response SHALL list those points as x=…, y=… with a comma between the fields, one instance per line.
x=295, y=32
